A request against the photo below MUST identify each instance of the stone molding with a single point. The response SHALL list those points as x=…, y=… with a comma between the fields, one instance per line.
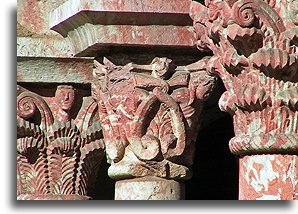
x=58, y=155
x=44, y=47
x=150, y=115
x=94, y=27
x=255, y=47
x=55, y=70
x=73, y=13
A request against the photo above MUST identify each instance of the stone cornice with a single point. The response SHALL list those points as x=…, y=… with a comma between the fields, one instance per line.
x=93, y=26
x=75, y=12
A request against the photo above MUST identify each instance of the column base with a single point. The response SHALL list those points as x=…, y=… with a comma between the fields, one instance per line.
x=149, y=188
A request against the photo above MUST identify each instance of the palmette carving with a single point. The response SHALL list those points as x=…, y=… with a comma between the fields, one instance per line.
x=150, y=114
x=255, y=47
x=57, y=156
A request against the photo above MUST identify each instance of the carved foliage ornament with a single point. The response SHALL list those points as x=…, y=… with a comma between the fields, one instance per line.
x=57, y=156
x=255, y=47
x=149, y=115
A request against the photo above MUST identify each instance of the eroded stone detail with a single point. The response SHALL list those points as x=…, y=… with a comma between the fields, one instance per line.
x=150, y=114
x=254, y=43
x=255, y=54
x=58, y=155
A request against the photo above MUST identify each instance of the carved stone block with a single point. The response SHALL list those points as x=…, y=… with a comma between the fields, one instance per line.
x=58, y=149
x=149, y=116
x=255, y=47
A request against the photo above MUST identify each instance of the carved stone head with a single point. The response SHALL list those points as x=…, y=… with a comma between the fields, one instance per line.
x=161, y=67
x=64, y=97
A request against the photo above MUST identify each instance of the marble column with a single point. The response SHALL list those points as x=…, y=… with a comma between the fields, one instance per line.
x=256, y=55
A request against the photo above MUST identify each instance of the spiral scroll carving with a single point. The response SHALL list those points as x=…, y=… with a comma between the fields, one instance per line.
x=243, y=14
x=255, y=54
x=146, y=115
x=28, y=103
x=56, y=159
x=25, y=106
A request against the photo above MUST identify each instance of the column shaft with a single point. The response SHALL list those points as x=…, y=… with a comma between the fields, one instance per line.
x=268, y=177
x=149, y=188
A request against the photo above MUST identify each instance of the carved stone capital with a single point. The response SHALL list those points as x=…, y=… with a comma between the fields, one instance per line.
x=150, y=114
x=58, y=151
x=255, y=47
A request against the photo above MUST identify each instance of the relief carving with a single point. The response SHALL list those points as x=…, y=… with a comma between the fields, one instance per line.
x=255, y=47
x=149, y=115
x=57, y=155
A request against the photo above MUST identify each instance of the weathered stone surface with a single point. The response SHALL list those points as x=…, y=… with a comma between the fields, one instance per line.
x=73, y=13
x=150, y=112
x=59, y=148
x=101, y=37
x=96, y=25
x=44, y=47
x=149, y=115
x=260, y=75
x=54, y=70
x=149, y=188
x=268, y=177
x=256, y=55
x=34, y=15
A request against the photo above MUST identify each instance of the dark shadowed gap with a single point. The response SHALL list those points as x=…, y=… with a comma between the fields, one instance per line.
x=105, y=186
x=215, y=169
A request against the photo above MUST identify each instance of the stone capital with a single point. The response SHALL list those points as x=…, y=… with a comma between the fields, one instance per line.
x=254, y=43
x=150, y=115
x=58, y=152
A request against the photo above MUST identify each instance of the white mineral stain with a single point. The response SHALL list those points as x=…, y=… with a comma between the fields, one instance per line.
x=260, y=180
x=124, y=112
x=114, y=119
x=133, y=34
x=269, y=197
x=139, y=33
x=256, y=126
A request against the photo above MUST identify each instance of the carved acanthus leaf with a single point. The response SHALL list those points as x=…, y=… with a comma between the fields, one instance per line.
x=252, y=97
x=146, y=113
x=57, y=158
x=288, y=97
x=255, y=49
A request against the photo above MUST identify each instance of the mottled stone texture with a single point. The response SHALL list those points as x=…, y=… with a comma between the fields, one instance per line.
x=33, y=17
x=151, y=132
x=34, y=37
x=254, y=43
x=59, y=144
x=149, y=113
x=150, y=117
x=54, y=70
x=268, y=177
x=94, y=26
x=149, y=188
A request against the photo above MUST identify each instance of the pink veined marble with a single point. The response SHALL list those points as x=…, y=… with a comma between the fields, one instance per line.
x=254, y=43
x=149, y=116
x=58, y=154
